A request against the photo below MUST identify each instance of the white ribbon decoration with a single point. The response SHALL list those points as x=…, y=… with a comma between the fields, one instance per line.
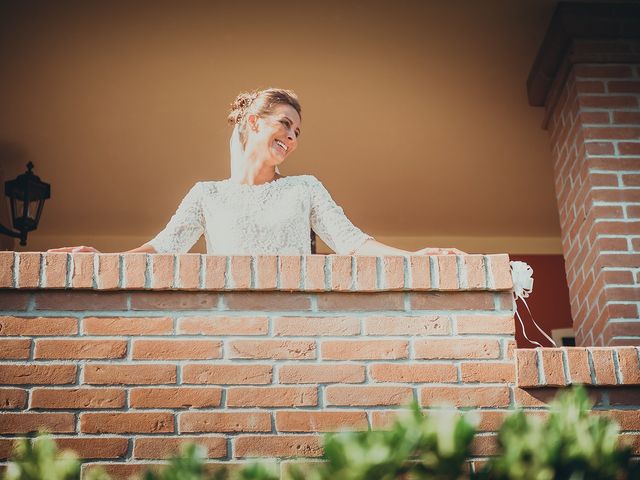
x=522, y=276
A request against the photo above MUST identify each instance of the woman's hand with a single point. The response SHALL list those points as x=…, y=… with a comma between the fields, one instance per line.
x=439, y=251
x=74, y=249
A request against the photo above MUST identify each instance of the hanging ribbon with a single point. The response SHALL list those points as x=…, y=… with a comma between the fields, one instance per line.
x=522, y=276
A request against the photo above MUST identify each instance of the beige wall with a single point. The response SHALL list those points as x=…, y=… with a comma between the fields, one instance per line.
x=414, y=113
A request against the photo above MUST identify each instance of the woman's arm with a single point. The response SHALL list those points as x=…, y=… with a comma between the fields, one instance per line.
x=146, y=248
x=373, y=247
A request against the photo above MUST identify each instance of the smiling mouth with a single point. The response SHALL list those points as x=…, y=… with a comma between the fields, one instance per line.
x=282, y=145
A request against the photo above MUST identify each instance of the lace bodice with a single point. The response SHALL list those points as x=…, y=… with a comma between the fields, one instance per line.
x=274, y=218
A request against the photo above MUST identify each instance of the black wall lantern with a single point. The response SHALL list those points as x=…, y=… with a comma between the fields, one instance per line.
x=27, y=194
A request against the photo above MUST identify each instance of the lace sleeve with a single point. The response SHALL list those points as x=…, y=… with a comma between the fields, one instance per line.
x=329, y=221
x=185, y=227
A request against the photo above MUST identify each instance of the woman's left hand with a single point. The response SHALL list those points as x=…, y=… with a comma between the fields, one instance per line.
x=439, y=251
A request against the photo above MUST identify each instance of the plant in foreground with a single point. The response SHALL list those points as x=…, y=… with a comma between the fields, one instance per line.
x=570, y=444
x=39, y=459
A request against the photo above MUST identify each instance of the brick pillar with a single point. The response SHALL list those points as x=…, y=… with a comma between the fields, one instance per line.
x=587, y=75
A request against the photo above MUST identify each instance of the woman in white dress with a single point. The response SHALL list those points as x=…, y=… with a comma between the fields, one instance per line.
x=257, y=210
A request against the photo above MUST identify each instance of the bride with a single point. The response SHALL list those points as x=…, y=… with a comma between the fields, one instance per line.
x=257, y=211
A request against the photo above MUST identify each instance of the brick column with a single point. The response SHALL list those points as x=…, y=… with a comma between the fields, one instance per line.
x=587, y=75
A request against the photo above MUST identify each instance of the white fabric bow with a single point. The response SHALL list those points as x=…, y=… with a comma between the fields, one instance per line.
x=522, y=276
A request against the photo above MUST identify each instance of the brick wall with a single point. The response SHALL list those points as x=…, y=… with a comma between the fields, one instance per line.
x=123, y=357
x=595, y=133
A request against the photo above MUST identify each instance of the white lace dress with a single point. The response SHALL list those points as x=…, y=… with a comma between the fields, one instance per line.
x=274, y=218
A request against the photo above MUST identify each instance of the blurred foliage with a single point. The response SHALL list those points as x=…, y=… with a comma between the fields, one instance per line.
x=416, y=446
x=570, y=444
x=39, y=459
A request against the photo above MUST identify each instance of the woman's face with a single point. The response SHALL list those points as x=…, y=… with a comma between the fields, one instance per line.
x=274, y=136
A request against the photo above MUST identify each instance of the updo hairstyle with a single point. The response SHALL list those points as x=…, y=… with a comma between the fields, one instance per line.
x=259, y=102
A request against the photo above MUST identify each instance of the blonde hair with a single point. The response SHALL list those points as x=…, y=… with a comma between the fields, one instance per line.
x=259, y=102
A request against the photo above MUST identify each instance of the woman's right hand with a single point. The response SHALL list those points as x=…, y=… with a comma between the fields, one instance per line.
x=79, y=249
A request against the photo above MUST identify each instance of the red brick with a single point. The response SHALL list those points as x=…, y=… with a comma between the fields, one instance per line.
x=290, y=272
x=501, y=271
x=364, y=349
x=484, y=445
x=479, y=324
x=619, y=133
x=474, y=268
x=28, y=269
x=608, y=101
x=272, y=396
x=14, y=299
x=321, y=373
x=609, y=212
x=594, y=118
x=173, y=301
x=146, y=448
x=120, y=470
x=223, y=325
x=34, y=422
x=216, y=268
x=603, y=179
x=266, y=301
x=127, y=326
x=162, y=271
x=420, y=272
x=367, y=395
x=82, y=398
x=626, y=419
x=176, y=349
x=630, y=118
x=465, y=396
x=599, y=148
x=240, y=266
x=631, y=180
x=366, y=273
x=92, y=447
x=603, y=366
x=447, y=272
x=147, y=374
x=451, y=301
x=413, y=372
x=629, y=366
x=12, y=398
x=127, y=422
x=278, y=446
x=341, y=275
x=315, y=326
x=55, y=269
x=135, y=267
x=82, y=270
x=189, y=271
x=6, y=269
x=108, y=277
x=454, y=348
x=602, y=71
x=320, y=421
x=578, y=365
x=589, y=86
x=78, y=300
x=14, y=349
x=227, y=374
x=36, y=374
x=245, y=421
x=422, y=325
x=80, y=349
x=553, y=366
x=274, y=349
x=266, y=272
x=527, y=367
x=384, y=419
x=629, y=148
x=623, y=86
x=175, y=397
x=393, y=273
x=488, y=372
x=314, y=279
x=360, y=301
x=33, y=326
